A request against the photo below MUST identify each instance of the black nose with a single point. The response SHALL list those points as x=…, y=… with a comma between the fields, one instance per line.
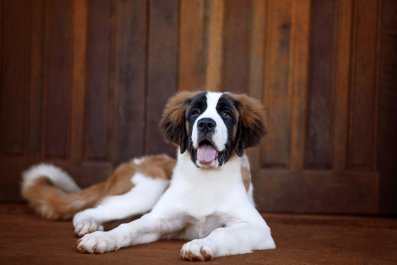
x=206, y=125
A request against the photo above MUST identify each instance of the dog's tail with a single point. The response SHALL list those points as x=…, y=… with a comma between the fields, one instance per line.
x=54, y=195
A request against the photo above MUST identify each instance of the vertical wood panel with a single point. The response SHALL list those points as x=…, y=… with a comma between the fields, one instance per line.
x=277, y=143
x=320, y=103
x=130, y=76
x=299, y=79
x=192, y=46
x=387, y=144
x=162, y=69
x=236, y=43
x=363, y=86
x=96, y=134
x=80, y=10
x=15, y=75
x=342, y=83
x=58, y=76
x=256, y=66
x=215, y=27
x=36, y=79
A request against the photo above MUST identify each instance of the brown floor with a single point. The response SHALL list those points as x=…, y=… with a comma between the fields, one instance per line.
x=300, y=239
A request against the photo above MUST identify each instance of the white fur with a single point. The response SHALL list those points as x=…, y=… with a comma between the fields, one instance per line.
x=220, y=135
x=56, y=175
x=139, y=200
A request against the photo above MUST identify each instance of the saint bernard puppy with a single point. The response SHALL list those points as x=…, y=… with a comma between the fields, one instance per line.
x=205, y=196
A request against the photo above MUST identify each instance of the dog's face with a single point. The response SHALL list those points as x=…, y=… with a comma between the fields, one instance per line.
x=212, y=126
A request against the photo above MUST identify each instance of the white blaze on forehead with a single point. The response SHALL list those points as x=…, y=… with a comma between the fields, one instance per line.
x=220, y=136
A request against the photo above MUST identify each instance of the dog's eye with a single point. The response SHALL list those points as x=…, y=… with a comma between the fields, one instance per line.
x=226, y=114
x=195, y=112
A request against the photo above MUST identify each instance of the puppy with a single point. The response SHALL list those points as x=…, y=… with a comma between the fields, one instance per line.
x=205, y=197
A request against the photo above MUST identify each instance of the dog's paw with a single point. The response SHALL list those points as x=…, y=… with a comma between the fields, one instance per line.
x=97, y=242
x=198, y=250
x=86, y=226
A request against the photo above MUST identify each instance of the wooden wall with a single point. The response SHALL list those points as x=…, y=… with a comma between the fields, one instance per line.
x=83, y=84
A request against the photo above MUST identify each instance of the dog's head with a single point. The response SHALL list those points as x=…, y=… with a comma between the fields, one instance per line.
x=212, y=126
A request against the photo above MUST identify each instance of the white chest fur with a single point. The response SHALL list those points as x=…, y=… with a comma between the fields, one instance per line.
x=202, y=193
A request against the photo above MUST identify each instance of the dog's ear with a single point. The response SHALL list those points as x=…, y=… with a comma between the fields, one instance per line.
x=173, y=120
x=251, y=125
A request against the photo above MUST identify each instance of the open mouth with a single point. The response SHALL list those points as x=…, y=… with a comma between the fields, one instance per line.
x=206, y=152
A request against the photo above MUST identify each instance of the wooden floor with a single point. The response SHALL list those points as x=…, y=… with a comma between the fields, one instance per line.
x=300, y=239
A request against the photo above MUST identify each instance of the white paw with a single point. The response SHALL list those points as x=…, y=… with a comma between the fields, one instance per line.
x=86, y=226
x=97, y=242
x=198, y=250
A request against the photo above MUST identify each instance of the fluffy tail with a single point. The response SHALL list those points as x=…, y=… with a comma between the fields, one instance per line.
x=53, y=194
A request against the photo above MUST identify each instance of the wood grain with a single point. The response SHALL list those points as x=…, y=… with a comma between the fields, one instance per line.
x=320, y=112
x=192, y=46
x=97, y=104
x=15, y=76
x=83, y=85
x=236, y=43
x=78, y=93
x=363, y=100
x=130, y=79
x=162, y=70
x=57, y=77
x=277, y=91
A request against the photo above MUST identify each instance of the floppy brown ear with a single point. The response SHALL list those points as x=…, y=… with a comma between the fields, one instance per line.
x=251, y=126
x=173, y=121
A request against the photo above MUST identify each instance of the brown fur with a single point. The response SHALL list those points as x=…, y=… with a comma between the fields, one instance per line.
x=173, y=124
x=252, y=113
x=251, y=127
x=52, y=203
x=157, y=166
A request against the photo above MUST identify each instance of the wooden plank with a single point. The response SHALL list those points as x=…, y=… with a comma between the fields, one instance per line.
x=236, y=43
x=387, y=124
x=215, y=27
x=256, y=66
x=362, y=116
x=317, y=191
x=192, y=46
x=80, y=13
x=15, y=76
x=57, y=77
x=276, y=146
x=342, y=83
x=299, y=79
x=162, y=70
x=130, y=79
x=319, y=134
x=35, y=97
x=97, y=105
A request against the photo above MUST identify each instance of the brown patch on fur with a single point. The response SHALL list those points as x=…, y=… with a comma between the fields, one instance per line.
x=251, y=127
x=246, y=176
x=172, y=124
x=160, y=166
x=52, y=203
x=120, y=181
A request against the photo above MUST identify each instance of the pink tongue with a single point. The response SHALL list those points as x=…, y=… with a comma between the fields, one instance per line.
x=206, y=153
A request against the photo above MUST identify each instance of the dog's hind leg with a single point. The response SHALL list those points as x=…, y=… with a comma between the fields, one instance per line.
x=139, y=200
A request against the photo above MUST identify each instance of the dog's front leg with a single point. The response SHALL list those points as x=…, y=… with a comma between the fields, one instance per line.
x=146, y=229
x=235, y=239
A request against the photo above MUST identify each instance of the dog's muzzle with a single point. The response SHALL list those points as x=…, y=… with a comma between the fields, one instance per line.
x=206, y=151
